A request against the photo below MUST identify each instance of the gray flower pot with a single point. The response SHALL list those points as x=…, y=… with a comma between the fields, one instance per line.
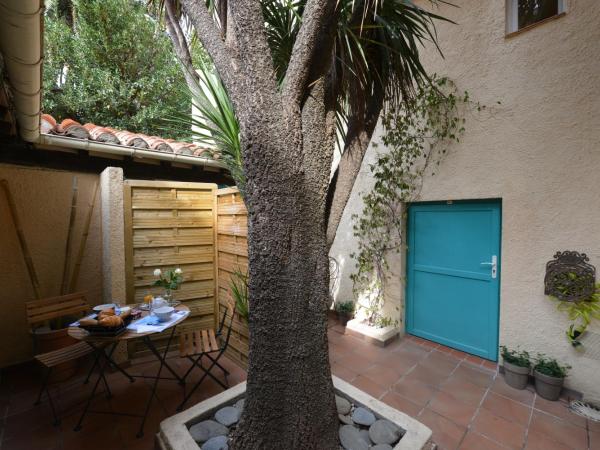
x=548, y=387
x=516, y=376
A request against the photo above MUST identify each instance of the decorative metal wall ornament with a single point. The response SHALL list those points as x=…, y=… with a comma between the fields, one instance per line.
x=569, y=277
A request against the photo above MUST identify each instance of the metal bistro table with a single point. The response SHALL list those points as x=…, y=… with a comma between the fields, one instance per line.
x=104, y=348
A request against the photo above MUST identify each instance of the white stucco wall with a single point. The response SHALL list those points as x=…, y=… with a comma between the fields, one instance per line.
x=539, y=151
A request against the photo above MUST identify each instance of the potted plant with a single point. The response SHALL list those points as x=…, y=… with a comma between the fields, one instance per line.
x=517, y=366
x=345, y=311
x=549, y=377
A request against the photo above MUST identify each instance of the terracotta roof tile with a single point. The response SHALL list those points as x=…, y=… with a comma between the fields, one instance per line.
x=72, y=128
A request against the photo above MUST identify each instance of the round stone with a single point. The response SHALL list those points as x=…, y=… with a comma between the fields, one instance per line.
x=216, y=443
x=228, y=415
x=351, y=439
x=343, y=405
x=346, y=420
x=381, y=447
x=203, y=431
x=239, y=404
x=384, y=432
x=363, y=416
x=365, y=435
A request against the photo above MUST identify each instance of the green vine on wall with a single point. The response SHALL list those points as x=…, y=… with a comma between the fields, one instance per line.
x=416, y=136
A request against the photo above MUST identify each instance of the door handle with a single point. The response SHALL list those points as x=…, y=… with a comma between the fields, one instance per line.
x=493, y=264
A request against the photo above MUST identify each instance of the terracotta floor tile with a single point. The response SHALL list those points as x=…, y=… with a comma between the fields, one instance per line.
x=459, y=354
x=357, y=363
x=369, y=386
x=559, y=430
x=440, y=361
x=383, y=375
x=401, y=404
x=475, y=441
x=498, y=429
x=446, y=434
x=538, y=441
x=491, y=365
x=427, y=375
x=416, y=391
x=474, y=360
x=400, y=363
x=594, y=440
x=499, y=386
x=413, y=350
x=559, y=409
x=343, y=372
x=452, y=408
x=507, y=408
x=475, y=375
x=444, y=349
x=463, y=390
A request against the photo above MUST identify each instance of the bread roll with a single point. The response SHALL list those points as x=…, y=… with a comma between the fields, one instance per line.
x=110, y=321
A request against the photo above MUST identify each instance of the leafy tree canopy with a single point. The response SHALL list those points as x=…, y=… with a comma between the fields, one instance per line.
x=110, y=63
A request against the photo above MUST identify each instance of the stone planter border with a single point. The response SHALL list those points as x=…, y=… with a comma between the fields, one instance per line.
x=174, y=435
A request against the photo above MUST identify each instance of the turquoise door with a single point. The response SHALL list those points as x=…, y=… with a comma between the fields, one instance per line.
x=453, y=274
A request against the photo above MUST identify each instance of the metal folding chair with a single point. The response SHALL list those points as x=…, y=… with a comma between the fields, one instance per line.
x=197, y=344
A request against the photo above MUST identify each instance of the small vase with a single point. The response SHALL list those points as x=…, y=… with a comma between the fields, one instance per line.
x=169, y=297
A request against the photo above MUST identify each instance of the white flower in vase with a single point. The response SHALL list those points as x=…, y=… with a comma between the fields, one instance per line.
x=157, y=272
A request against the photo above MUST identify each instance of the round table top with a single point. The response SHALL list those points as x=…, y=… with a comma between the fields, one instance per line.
x=83, y=335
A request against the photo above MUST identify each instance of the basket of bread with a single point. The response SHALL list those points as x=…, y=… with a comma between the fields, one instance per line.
x=107, y=322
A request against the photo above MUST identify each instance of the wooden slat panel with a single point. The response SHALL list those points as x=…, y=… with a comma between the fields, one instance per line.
x=170, y=225
x=232, y=247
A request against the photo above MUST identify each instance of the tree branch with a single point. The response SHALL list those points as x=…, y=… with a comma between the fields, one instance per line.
x=360, y=131
x=211, y=39
x=180, y=45
x=314, y=35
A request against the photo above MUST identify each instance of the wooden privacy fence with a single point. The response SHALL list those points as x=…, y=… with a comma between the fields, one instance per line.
x=194, y=226
x=232, y=254
x=168, y=225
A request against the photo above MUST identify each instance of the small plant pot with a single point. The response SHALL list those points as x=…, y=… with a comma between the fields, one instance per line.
x=548, y=387
x=516, y=376
x=343, y=319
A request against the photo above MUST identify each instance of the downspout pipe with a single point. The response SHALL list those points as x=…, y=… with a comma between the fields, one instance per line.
x=51, y=140
x=21, y=46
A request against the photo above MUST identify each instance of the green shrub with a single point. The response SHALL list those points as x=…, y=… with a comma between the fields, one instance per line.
x=517, y=357
x=346, y=308
x=550, y=366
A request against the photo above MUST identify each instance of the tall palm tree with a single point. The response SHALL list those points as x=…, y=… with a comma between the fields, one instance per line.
x=375, y=64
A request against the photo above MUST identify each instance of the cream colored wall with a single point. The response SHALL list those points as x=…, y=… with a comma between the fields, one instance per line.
x=539, y=151
x=43, y=201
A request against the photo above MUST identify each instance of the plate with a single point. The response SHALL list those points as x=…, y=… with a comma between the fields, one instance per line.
x=104, y=306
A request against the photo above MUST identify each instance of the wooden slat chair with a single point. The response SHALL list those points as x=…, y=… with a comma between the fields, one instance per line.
x=197, y=344
x=40, y=312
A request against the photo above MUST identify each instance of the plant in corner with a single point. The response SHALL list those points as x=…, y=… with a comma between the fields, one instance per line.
x=517, y=365
x=345, y=311
x=549, y=376
x=239, y=291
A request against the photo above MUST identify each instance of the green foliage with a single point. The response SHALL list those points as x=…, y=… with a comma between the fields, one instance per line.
x=376, y=49
x=114, y=67
x=550, y=366
x=239, y=290
x=581, y=313
x=346, y=308
x=519, y=358
x=416, y=134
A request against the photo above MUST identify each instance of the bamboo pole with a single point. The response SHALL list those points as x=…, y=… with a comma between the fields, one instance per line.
x=63, y=284
x=21, y=236
x=84, y=237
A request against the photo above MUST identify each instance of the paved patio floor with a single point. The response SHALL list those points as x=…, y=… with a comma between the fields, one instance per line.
x=461, y=398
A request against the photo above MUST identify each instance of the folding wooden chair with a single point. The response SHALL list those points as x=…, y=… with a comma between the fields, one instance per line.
x=197, y=344
x=41, y=311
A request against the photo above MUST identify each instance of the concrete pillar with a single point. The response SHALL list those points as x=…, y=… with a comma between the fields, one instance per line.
x=113, y=243
x=113, y=235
